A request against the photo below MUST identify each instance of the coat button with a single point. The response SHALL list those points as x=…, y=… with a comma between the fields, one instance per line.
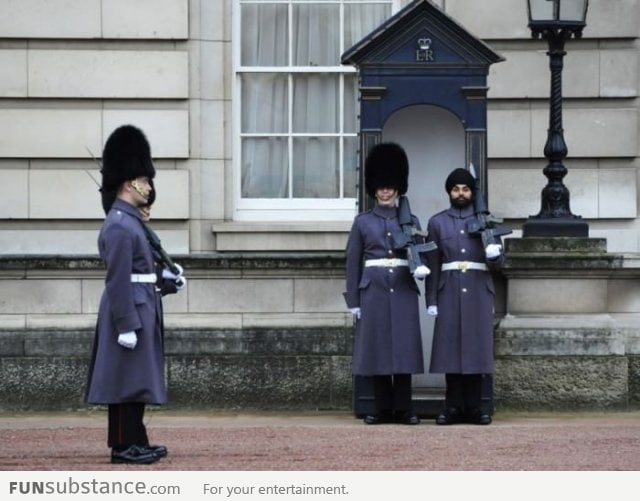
x=390, y=290
x=464, y=289
x=463, y=250
x=390, y=270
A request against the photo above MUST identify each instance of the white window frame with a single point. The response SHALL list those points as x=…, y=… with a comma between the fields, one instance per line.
x=289, y=209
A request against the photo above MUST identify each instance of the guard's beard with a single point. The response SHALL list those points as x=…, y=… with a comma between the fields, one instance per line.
x=460, y=202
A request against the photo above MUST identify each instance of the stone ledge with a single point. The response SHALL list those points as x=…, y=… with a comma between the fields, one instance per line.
x=568, y=335
x=554, y=256
x=182, y=321
x=283, y=341
x=211, y=261
x=575, y=246
x=282, y=227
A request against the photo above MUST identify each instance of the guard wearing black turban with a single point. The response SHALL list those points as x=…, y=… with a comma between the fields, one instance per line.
x=460, y=294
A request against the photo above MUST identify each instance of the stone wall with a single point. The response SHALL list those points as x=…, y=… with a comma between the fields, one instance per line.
x=248, y=332
x=277, y=368
x=270, y=331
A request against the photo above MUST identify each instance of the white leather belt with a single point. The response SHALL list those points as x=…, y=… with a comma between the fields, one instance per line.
x=388, y=262
x=144, y=278
x=463, y=266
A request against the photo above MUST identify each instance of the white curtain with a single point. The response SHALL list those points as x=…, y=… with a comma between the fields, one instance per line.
x=314, y=164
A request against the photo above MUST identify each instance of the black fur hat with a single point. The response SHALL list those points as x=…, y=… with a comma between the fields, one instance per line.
x=108, y=197
x=460, y=176
x=386, y=166
x=126, y=155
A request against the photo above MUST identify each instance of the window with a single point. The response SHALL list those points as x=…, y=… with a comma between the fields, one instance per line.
x=296, y=106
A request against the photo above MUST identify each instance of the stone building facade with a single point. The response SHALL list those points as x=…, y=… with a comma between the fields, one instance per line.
x=262, y=322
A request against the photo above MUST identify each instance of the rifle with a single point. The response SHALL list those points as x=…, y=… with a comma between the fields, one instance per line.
x=159, y=254
x=404, y=239
x=484, y=224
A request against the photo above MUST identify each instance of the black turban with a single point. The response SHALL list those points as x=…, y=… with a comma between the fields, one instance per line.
x=460, y=176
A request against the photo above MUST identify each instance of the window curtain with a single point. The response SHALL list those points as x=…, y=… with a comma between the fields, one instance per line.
x=314, y=165
x=265, y=110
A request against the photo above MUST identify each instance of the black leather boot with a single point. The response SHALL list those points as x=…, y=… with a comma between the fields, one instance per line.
x=451, y=415
x=406, y=417
x=379, y=418
x=476, y=416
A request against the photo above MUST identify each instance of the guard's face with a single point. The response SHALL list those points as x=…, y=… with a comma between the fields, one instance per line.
x=141, y=188
x=386, y=197
x=461, y=195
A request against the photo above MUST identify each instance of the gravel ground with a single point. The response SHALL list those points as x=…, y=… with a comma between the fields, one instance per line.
x=329, y=441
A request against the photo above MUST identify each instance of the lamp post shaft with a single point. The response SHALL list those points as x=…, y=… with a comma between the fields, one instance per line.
x=555, y=196
x=555, y=217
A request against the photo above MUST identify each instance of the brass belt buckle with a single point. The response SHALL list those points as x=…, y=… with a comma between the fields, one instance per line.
x=463, y=266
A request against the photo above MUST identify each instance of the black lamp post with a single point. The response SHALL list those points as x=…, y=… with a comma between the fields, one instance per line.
x=556, y=21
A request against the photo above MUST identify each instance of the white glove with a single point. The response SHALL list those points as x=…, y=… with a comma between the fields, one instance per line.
x=432, y=311
x=128, y=340
x=355, y=312
x=421, y=272
x=492, y=251
x=180, y=282
x=167, y=273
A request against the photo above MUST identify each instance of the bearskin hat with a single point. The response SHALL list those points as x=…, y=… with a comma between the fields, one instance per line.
x=126, y=155
x=460, y=176
x=386, y=166
x=108, y=197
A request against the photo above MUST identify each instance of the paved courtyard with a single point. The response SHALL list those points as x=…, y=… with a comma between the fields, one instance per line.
x=329, y=441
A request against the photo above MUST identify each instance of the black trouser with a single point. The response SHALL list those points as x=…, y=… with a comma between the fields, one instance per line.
x=464, y=392
x=392, y=393
x=126, y=426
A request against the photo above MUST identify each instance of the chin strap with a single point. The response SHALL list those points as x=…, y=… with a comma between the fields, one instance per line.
x=136, y=186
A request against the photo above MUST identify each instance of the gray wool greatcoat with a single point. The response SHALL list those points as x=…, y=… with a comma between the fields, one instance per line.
x=463, y=333
x=118, y=374
x=387, y=337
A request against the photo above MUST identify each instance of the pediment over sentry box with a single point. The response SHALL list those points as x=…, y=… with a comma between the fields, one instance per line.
x=421, y=37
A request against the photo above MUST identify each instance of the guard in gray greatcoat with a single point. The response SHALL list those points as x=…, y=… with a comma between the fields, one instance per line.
x=460, y=294
x=127, y=366
x=381, y=292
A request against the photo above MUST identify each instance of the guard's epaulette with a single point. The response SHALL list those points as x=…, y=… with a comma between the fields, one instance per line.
x=116, y=215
